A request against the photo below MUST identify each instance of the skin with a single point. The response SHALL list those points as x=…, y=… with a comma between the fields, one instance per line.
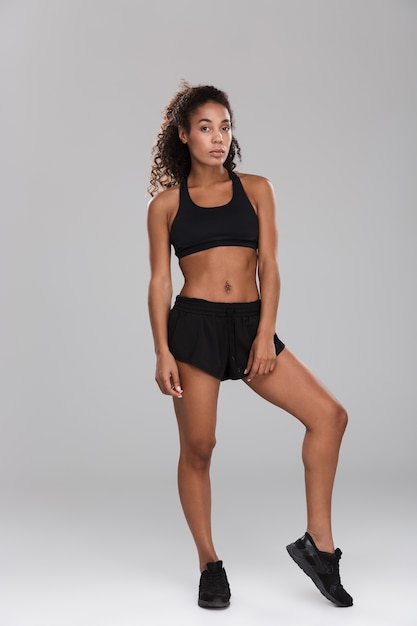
x=234, y=274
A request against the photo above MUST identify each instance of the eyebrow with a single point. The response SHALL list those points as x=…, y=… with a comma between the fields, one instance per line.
x=205, y=119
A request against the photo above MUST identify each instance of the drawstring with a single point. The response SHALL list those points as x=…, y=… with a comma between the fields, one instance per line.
x=231, y=332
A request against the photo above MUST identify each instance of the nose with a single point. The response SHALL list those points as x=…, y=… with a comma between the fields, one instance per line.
x=218, y=137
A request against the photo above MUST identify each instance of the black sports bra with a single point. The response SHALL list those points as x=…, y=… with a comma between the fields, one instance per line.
x=196, y=228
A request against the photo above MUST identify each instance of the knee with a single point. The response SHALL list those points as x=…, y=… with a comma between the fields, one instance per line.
x=198, y=453
x=339, y=418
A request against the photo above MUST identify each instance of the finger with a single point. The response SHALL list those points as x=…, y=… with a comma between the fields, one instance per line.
x=269, y=368
x=254, y=369
x=176, y=384
x=165, y=384
x=266, y=367
x=249, y=364
x=176, y=390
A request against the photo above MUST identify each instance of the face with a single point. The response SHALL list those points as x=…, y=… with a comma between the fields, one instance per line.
x=210, y=134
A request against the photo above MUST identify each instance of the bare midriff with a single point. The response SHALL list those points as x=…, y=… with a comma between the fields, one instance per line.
x=222, y=274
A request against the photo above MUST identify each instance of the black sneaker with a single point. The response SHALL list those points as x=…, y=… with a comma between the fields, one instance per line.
x=322, y=567
x=214, y=590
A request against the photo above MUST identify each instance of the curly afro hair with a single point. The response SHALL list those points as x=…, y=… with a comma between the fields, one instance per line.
x=171, y=160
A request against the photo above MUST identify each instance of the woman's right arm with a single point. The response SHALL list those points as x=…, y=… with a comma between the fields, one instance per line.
x=160, y=293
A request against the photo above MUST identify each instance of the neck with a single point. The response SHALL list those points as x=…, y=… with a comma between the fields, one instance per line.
x=202, y=176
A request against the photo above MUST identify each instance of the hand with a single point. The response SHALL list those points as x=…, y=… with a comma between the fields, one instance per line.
x=167, y=376
x=262, y=358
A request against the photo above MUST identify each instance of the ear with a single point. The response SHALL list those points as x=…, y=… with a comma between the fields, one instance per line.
x=182, y=134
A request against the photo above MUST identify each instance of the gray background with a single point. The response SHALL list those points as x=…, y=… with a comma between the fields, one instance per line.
x=325, y=98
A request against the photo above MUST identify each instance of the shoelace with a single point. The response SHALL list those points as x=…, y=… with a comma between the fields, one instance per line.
x=329, y=563
x=332, y=566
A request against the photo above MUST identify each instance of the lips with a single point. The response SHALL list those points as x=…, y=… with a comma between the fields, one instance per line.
x=217, y=152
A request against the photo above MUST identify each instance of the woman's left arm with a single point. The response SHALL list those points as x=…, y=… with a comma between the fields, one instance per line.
x=262, y=356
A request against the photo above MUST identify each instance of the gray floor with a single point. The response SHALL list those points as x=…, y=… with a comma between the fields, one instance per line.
x=122, y=556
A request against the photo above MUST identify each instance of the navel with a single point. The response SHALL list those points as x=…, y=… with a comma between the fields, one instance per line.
x=228, y=287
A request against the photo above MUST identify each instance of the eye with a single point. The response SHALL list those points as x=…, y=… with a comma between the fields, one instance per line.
x=204, y=128
x=226, y=129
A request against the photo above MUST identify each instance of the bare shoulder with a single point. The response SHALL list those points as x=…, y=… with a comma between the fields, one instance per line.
x=258, y=188
x=253, y=179
x=164, y=203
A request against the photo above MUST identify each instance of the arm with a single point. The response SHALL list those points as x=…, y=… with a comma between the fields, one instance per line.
x=262, y=357
x=160, y=295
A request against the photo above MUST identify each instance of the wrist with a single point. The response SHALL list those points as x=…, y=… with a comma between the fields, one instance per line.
x=161, y=351
x=266, y=333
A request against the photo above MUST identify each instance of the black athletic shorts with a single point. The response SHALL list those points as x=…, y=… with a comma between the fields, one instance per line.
x=215, y=336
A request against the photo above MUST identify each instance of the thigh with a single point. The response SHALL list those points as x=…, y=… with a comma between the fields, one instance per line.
x=292, y=386
x=196, y=411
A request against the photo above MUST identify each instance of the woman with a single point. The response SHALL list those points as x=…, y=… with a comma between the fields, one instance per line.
x=222, y=226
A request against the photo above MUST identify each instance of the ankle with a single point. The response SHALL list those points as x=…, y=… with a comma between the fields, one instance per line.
x=204, y=561
x=323, y=541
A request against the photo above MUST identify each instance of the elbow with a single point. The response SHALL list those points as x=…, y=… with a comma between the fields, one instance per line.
x=160, y=286
x=268, y=271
